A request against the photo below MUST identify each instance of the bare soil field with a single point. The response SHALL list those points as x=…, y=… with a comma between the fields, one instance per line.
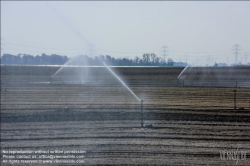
x=190, y=125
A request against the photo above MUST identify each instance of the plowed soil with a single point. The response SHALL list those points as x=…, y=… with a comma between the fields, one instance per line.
x=190, y=125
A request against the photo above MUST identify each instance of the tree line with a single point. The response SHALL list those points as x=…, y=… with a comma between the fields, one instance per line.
x=26, y=59
x=147, y=59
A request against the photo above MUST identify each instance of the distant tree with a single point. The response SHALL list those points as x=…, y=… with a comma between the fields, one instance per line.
x=97, y=61
x=37, y=60
x=157, y=61
x=54, y=59
x=136, y=60
x=170, y=62
x=45, y=60
x=152, y=58
x=28, y=59
x=64, y=59
x=108, y=60
x=146, y=58
x=18, y=59
x=7, y=59
x=102, y=58
x=141, y=62
x=162, y=62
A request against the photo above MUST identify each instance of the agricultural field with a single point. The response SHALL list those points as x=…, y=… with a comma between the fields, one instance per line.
x=185, y=123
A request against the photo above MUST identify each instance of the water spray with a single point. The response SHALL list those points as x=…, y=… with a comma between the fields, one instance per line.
x=111, y=71
x=182, y=71
x=141, y=100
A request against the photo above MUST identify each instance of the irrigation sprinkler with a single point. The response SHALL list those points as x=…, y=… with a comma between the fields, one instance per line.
x=235, y=99
x=119, y=79
x=142, y=112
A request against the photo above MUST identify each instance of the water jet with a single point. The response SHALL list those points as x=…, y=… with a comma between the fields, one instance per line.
x=182, y=71
x=141, y=100
x=111, y=71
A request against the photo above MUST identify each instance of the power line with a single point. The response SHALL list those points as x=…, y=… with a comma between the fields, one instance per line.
x=91, y=48
x=115, y=51
x=246, y=55
x=35, y=47
x=236, y=49
x=165, y=52
x=198, y=52
x=186, y=59
x=209, y=58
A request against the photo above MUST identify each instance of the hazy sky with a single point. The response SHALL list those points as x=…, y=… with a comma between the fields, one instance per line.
x=195, y=29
